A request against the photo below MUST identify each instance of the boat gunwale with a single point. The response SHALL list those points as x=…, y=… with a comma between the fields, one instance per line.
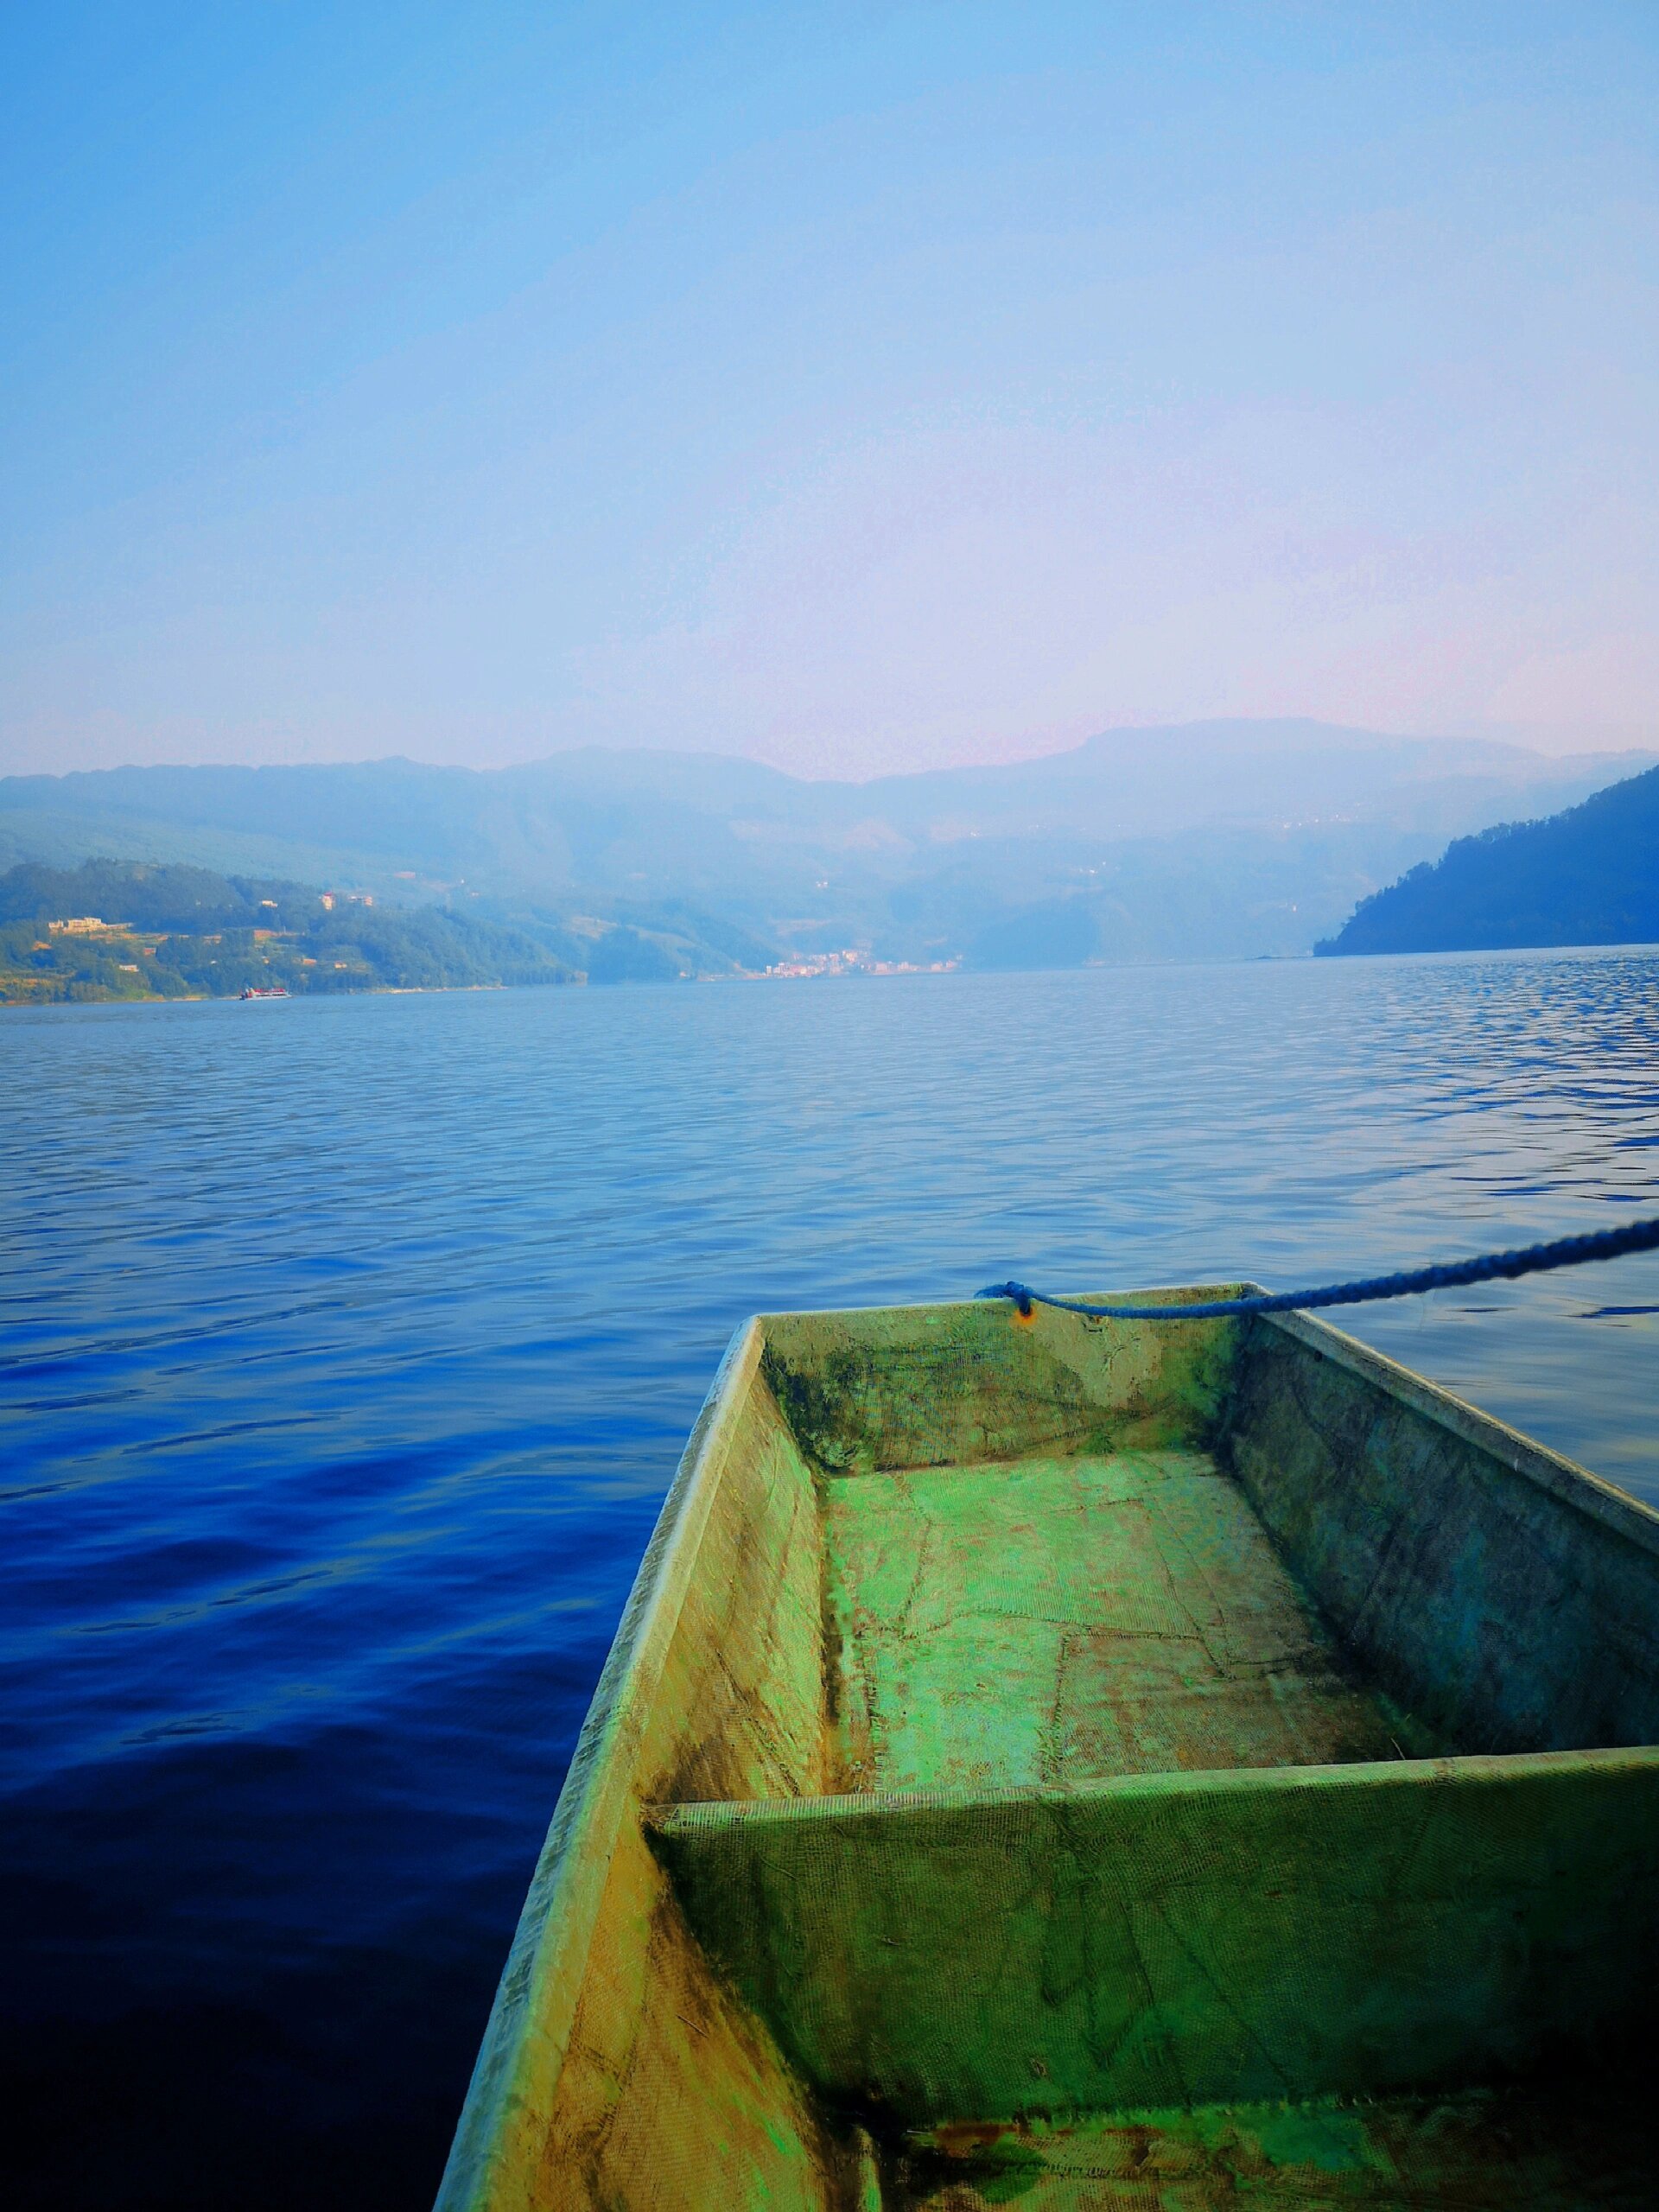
x=531, y=2016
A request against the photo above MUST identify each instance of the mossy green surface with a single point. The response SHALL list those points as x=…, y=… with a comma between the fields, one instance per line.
x=1052, y=1619
x=1184, y=1939
x=1150, y=1768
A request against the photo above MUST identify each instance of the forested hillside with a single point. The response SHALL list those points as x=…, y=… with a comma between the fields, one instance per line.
x=1588, y=876
x=114, y=930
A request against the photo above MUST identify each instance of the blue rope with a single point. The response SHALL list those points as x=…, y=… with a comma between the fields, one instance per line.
x=1491, y=1267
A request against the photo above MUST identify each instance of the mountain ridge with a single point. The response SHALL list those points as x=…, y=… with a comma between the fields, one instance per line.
x=1180, y=841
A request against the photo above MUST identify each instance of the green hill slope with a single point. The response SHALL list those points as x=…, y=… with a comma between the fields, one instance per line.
x=114, y=930
x=1589, y=876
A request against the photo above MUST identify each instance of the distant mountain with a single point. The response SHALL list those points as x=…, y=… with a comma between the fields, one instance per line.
x=1220, y=839
x=1588, y=876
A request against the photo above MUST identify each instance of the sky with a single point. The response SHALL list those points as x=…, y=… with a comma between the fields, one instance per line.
x=856, y=388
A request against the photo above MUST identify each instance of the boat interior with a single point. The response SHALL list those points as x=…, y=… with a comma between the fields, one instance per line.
x=1088, y=1764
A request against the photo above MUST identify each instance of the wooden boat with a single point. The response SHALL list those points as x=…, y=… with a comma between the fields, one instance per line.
x=1087, y=1763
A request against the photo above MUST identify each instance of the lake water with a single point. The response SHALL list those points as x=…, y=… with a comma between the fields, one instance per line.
x=347, y=1347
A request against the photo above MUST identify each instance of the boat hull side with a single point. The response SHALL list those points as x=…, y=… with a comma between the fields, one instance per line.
x=1508, y=1596
x=616, y=2068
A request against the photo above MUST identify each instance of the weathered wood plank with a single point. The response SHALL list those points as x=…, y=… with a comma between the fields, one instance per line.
x=1185, y=1940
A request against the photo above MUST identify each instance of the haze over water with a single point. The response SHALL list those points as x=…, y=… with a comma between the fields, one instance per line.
x=348, y=1347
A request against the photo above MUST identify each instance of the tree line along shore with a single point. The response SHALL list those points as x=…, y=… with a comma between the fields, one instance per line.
x=114, y=931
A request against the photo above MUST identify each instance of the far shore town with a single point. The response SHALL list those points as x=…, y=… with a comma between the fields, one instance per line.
x=851, y=962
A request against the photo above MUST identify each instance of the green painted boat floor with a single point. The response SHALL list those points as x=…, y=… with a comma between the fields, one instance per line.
x=1563, y=2149
x=1056, y=1620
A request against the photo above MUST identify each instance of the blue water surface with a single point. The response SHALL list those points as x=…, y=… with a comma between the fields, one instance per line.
x=347, y=1346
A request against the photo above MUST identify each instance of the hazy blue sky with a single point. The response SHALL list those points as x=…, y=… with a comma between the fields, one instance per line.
x=855, y=387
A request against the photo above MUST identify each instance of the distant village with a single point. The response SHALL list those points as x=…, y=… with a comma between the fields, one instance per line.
x=850, y=961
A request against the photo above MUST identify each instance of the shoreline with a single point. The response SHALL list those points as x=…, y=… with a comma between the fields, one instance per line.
x=1633, y=946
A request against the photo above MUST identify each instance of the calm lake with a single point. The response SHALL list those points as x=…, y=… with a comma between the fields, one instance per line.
x=348, y=1346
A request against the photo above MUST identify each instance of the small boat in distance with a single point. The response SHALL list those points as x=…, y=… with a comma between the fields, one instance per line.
x=1106, y=1763
x=266, y=991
